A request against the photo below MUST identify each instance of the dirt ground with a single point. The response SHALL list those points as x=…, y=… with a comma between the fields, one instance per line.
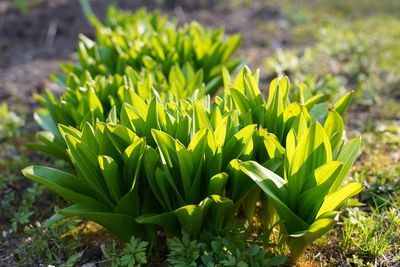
x=33, y=45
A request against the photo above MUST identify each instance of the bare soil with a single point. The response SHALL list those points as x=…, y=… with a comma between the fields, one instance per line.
x=33, y=45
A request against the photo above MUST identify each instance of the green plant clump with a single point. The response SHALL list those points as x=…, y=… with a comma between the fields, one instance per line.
x=195, y=163
x=154, y=149
x=142, y=53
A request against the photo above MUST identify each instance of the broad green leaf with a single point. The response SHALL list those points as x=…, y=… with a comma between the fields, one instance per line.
x=191, y=217
x=273, y=147
x=131, y=118
x=151, y=161
x=186, y=161
x=274, y=187
x=68, y=130
x=217, y=183
x=87, y=166
x=274, y=119
x=198, y=143
x=300, y=125
x=164, y=186
x=46, y=122
x=252, y=90
x=167, y=147
x=112, y=116
x=318, y=112
x=50, y=144
x=312, y=151
x=89, y=138
x=130, y=203
x=336, y=198
x=133, y=156
x=343, y=103
x=242, y=103
x=237, y=144
x=284, y=88
x=67, y=185
x=167, y=221
x=309, y=104
x=226, y=78
x=291, y=112
x=112, y=176
x=334, y=128
x=221, y=210
x=121, y=136
x=298, y=242
x=311, y=199
x=348, y=155
x=238, y=185
x=120, y=224
x=200, y=119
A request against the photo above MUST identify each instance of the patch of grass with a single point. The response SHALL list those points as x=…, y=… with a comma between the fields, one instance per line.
x=54, y=246
x=371, y=236
x=358, y=42
x=360, y=46
x=337, y=53
x=25, y=211
x=19, y=198
x=366, y=237
x=378, y=167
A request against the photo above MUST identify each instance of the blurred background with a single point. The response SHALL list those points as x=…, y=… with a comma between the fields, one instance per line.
x=332, y=45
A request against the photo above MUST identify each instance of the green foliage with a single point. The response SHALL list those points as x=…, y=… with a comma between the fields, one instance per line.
x=181, y=137
x=97, y=192
x=108, y=159
x=150, y=41
x=380, y=169
x=307, y=199
x=175, y=164
x=223, y=252
x=49, y=246
x=142, y=53
x=219, y=251
x=16, y=196
x=370, y=236
x=134, y=253
x=183, y=251
x=313, y=148
x=152, y=149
